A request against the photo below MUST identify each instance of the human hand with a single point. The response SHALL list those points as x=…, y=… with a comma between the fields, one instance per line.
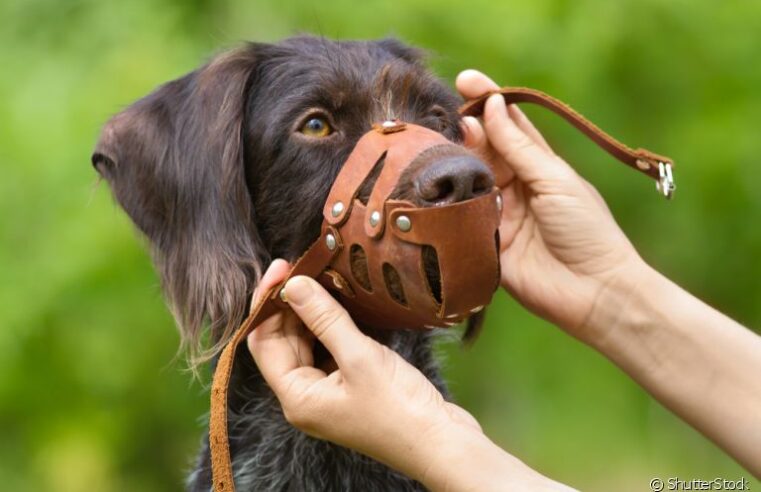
x=560, y=247
x=375, y=402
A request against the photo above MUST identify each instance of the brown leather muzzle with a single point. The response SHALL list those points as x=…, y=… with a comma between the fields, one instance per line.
x=379, y=265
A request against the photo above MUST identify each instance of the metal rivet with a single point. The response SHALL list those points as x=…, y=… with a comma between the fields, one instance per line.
x=643, y=164
x=282, y=295
x=403, y=223
x=374, y=218
x=330, y=241
x=476, y=309
x=499, y=202
x=337, y=209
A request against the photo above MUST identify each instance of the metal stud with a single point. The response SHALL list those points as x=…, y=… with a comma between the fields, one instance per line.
x=499, y=202
x=403, y=223
x=337, y=209
x=375, y=218
x=330, y=241
x=282, y=295
x=665, y=183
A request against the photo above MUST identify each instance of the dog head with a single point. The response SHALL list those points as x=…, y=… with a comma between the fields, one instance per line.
x=230, y=165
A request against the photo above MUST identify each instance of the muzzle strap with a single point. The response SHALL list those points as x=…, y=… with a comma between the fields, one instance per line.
x=656, y=166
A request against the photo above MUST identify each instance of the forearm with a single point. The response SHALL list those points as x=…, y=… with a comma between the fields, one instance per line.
x=700, y=364
x=469, y=461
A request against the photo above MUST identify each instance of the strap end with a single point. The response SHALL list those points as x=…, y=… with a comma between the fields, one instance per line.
x=659, y=168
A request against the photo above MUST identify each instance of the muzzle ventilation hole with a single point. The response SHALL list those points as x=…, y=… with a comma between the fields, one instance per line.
x=358, y=264
x=394, y=284
x=365, y=189
x=432, y=271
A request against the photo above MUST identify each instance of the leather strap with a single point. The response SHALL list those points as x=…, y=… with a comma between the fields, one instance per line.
x=640, y=159
x=312, y=263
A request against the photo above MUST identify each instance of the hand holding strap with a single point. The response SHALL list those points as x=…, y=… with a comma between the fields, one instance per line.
x=312, y=263
x=654, y=165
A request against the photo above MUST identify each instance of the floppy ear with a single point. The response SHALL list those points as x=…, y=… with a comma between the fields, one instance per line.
x=175, y=162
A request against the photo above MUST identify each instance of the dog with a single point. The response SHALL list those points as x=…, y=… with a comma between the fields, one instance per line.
x=228, y=167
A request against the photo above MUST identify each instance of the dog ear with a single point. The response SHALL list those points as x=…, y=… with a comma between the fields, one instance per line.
x=175, y=162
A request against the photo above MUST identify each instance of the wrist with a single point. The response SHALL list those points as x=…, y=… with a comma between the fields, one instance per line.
x=463, y=459
x=619, y=306
x=632, y=323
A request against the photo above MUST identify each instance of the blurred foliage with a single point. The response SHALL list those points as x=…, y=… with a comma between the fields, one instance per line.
x=91, y=397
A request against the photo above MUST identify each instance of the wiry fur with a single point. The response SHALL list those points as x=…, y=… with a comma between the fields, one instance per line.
x=211, y=169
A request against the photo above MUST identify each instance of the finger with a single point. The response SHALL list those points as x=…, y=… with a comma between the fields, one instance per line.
x=326, y=318
x=529, y=160
x=520, y=119
x=473, y=133
x=268, y=343
x=475, y=139
x=300, y=338
x=275, y=274
x=472, y=83
x=273, y=353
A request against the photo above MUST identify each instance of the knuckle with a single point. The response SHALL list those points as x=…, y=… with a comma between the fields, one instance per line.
x=367, y=359
x=296, y=417
x=324, y=317
x=296, y=410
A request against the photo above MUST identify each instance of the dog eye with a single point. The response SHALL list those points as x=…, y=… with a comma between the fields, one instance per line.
x=316, y=126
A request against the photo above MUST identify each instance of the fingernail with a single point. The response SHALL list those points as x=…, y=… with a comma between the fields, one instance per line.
x=298, y=290
x=470, y=121
x=464, y=125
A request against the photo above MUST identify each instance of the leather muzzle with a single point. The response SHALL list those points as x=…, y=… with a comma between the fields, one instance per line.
x=397, y=265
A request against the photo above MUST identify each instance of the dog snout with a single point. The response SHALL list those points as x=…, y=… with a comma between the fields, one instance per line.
x=452, y=179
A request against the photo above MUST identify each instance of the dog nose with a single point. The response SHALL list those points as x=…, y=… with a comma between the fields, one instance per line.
x=453, y=179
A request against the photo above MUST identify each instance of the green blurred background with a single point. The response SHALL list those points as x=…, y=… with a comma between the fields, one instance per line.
x=91, y=397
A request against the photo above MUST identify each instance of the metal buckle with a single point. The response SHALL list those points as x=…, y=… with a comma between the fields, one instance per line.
x=665, y=183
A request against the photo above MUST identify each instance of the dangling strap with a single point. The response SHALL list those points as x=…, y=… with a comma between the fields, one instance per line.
x=654, y=165
x=311, y=264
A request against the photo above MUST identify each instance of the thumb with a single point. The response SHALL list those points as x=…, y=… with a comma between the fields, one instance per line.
x=327, y=319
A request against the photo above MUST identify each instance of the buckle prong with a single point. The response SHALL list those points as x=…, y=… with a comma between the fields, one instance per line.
x=665, y=183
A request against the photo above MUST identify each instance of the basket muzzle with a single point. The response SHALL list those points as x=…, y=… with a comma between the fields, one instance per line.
x=399, y=265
